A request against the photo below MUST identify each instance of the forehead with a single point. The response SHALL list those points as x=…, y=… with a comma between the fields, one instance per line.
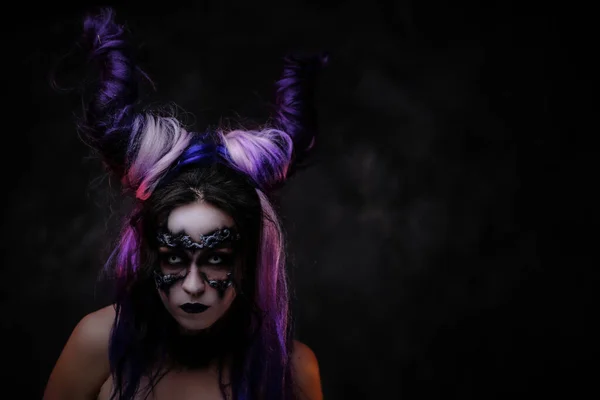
x=197, y=219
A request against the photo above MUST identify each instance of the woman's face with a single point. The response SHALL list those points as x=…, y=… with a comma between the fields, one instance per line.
x=199, y=292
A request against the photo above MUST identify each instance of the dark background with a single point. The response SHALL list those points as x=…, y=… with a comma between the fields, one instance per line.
x=441, y=243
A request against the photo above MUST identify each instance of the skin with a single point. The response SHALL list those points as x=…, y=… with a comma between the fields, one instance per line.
x=194, y=220
x=82, y=370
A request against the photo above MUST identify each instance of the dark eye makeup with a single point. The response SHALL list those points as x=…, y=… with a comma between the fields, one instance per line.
x=173, y=258
x=215, y=268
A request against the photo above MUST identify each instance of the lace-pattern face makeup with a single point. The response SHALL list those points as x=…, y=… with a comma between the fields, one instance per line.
x=211, y=240
x=165, y=281
x=182, y=242
x=198, y=259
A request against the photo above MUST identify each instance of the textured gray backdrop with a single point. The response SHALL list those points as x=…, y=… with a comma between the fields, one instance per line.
x=437, y=244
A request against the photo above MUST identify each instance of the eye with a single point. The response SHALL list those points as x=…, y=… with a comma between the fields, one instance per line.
x=172, y=259
x=215, y=259
x=219, y=259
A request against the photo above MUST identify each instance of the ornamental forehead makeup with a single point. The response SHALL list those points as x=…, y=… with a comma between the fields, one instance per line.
x=211, y=240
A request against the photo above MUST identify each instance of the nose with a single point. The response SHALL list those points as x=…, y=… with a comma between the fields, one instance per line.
x=193, y=284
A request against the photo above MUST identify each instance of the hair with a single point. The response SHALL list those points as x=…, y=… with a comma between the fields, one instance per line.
x=163, y=165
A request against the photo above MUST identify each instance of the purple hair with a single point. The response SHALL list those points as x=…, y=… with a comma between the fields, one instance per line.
x=295, y=113
x=145, y=150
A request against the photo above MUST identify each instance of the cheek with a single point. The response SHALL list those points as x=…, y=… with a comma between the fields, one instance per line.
x=227, y=299
x=167, y=295
x=163, y=297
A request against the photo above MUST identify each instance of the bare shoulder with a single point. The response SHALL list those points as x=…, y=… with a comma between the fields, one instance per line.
x=101, y=319
x=92, y=333
x=83, y=364
x=306, y=372
x=302, y=355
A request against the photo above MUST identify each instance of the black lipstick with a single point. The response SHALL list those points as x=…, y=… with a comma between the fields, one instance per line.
x=193, y=308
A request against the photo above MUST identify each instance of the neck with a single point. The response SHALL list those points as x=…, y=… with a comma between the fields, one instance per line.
x=209, y=347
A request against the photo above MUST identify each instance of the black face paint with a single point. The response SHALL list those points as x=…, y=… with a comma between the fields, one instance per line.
x=184, y=242
x=221, y=285
x=165, y=281
x=211, y=240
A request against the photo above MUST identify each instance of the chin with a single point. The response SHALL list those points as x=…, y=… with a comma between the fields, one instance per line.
x=193, y=326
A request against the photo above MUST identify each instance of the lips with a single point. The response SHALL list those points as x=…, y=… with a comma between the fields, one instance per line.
x=193, y=308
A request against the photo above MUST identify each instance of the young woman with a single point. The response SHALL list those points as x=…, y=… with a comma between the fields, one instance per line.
x=201, y=308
